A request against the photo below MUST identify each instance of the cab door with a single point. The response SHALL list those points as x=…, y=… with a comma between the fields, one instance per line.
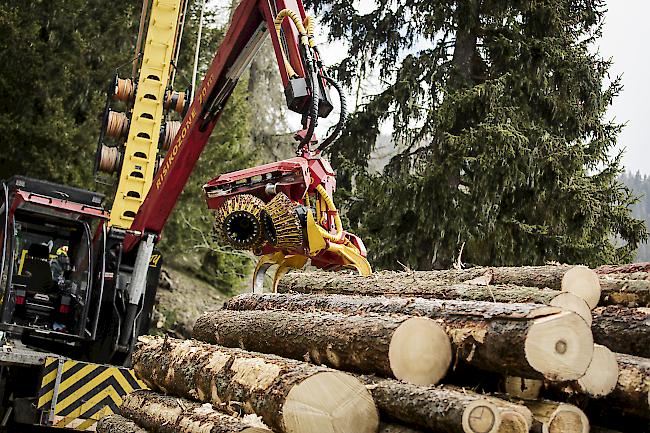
x=4, y=238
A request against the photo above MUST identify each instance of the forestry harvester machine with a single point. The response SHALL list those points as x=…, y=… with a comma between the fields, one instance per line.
x=78, y=282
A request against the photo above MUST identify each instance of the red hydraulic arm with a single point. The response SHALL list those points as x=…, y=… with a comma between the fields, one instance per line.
x=251, y=22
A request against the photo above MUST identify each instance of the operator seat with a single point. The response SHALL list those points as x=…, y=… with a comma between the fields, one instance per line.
x=40, y=273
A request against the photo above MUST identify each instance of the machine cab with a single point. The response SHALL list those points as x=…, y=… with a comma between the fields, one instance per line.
x=49, y=236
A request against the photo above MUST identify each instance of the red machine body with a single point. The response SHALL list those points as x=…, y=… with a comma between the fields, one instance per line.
x=265, y=209
x=250, y=17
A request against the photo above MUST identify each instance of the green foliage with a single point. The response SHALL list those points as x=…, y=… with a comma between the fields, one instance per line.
x=57, y=57
x=499, y=108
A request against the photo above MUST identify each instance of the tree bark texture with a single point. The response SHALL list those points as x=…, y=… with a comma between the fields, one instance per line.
x=234, y=380
x=632, y=393
x=165, y=414
x=623, y=330
x=624, y=269
x=526, y=276
x=346, y=342
x=118, y=424
x=441, y=409
x=409, y=285
x=488, y=336
x=627, y=293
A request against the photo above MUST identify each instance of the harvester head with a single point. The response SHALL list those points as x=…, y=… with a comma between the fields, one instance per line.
x=284, y=213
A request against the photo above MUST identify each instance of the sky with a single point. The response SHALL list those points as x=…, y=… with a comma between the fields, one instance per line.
x=625, y=38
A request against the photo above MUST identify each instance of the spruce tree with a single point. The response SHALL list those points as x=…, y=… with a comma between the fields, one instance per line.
x=504, y=148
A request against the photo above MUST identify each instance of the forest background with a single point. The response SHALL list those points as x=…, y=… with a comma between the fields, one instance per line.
x=500, y=150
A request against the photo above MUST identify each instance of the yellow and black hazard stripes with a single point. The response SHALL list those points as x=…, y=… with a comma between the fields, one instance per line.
x=77, y=394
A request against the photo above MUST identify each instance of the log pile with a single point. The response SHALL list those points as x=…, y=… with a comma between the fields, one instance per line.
x=484, y=350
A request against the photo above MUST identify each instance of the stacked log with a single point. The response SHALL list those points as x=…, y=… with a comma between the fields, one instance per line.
x=408, y=352
x=525, y=340
x=158, y=413
x=502, y=284
x=414, y=349
x=624, y=330
x=286, y=394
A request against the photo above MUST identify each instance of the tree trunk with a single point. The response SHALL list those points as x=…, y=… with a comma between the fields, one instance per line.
x=627, y=293
x=516, y=339
x=632, y=393
x=118, y=424
x=410, y=285
x=290, y=396
x=623, y=330
x=164, y=414
x=552, y=417
x=579, y=280
x=413, y=349
x=441, y=409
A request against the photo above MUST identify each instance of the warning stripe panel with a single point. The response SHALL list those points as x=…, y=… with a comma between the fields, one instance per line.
x=85, y=392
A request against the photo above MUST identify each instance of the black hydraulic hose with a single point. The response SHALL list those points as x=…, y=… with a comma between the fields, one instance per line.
x=315, y=100
x=343, y=115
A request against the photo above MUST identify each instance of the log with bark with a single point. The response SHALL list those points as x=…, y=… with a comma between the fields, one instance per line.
x=526, y=340
x=479, y=284
x=165, y=414
x=600, y=378
x=598, y=381
x=623, y=276
x=632, y=392
x=553, y=417
x=290, y=396
x=623, y=269
x=118, y=424
x=445, y=409
x=413, y=349
x=623, y=330
x=628, y=293
x=417, y=284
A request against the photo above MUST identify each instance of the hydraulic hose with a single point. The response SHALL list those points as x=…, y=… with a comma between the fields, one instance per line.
x=329, y=203
x=288, y=13
x=315, y=99
x=343, y=115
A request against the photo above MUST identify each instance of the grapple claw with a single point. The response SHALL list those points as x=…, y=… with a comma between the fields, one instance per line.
x=284, y=262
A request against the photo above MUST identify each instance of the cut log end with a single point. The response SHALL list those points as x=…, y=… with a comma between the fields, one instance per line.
x=521, y=387
x=330, y=402
x=602, y=374
x=481, y=417
x=567, y=418
x=420, y=352
x=513, y=422
x=584, y=283
x=559, y=347
x=570, y=302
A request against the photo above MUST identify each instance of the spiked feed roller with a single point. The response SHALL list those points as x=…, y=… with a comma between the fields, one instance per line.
x=282, y=226
x=238, y=222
